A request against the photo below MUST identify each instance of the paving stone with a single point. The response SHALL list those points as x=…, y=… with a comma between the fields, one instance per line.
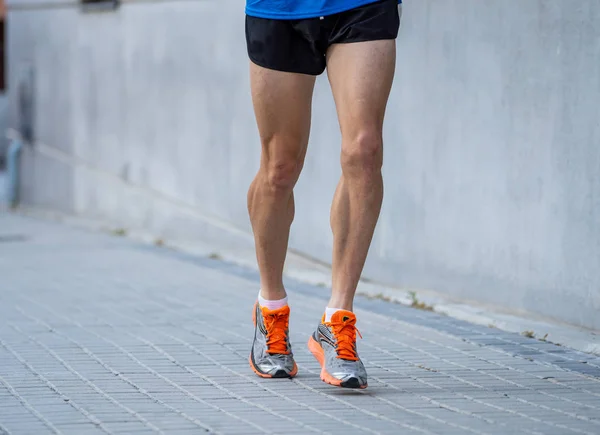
x=101, y=334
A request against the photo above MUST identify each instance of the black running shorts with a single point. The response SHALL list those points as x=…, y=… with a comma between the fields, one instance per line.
x=300, y=46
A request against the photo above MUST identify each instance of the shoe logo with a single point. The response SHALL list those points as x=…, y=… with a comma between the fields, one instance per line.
x=325, y=335
x=326, y=340
x=259, y=322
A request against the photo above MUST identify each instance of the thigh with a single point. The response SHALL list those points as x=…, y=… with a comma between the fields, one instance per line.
x=361, y=76
x=361, y=62
x=282, y=106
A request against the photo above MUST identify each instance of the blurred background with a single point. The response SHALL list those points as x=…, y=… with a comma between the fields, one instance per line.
x=138, y=112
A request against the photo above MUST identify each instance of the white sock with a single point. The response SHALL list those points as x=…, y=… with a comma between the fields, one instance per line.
x=272, y=305
x=330, y=312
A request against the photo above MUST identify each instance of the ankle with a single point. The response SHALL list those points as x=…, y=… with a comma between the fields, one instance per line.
x=329, y=312
x=272, y=303
x=341, y=304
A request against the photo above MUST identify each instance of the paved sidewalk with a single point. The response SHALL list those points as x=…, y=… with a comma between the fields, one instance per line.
x=99, y=334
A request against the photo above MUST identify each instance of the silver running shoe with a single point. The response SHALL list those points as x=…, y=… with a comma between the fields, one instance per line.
x=271, y=355
x=334, y=346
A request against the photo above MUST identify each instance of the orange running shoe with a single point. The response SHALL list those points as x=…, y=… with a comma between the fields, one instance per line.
x=271, y=355
x=333, y=344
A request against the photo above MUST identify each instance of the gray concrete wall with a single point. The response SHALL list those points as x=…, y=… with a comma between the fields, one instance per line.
x=492, y=167
x=3, y=126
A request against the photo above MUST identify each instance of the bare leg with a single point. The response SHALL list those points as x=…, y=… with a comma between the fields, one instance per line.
x=282, y=105
x=361, y=76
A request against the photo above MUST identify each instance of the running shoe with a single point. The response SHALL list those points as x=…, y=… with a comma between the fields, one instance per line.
x=271, y=355
x=333, y=344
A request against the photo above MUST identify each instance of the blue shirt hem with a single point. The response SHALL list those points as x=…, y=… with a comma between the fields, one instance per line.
x=306, y=15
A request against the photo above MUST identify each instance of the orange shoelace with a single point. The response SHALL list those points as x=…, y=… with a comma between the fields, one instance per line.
x=345, y=334
x=276, y=325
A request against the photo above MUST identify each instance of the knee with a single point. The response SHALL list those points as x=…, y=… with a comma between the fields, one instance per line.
x=282, y=167
x=282, y=174
x=362, y=155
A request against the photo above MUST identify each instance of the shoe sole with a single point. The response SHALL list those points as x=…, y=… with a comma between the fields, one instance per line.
x=279, y=374
x=317, y=351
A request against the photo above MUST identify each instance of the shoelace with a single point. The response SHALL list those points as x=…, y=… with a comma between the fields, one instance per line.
x=345, y=333
x=277, y=325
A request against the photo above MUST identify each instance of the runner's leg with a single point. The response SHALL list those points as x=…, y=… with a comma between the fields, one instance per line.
x=361, y=76
x=282, y=105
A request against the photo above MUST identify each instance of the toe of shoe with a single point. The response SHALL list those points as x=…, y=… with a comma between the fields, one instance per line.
x=354, y=382
x=280, y=373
